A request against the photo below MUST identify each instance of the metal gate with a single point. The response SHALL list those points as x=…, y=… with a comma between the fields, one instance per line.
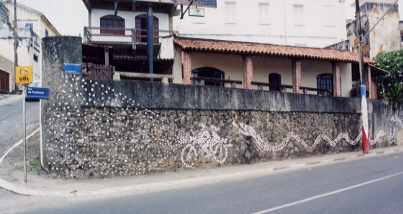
x=4, y=82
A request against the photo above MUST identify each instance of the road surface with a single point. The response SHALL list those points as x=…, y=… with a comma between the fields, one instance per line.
x=361, y=187
x=11, y=129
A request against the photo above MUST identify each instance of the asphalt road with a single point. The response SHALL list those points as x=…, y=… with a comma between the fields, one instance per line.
x=11, y=129
x=339, y=188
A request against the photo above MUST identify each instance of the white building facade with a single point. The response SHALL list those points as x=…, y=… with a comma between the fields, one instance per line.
x=310, y=23
x=32, y=27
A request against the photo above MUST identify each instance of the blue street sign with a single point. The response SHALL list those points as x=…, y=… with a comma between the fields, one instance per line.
x=72, y=68
x=38, y=93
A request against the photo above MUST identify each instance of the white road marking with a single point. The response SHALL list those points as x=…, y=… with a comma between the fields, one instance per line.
x=328, y=194
x=16, y=145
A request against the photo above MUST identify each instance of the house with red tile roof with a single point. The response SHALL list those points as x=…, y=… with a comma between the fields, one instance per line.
x=259, y=66
x=117, y=38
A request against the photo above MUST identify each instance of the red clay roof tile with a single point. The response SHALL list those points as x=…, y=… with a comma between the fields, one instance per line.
x=222, y=46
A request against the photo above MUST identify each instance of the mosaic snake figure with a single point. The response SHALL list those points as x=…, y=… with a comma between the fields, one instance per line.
x=262, y=146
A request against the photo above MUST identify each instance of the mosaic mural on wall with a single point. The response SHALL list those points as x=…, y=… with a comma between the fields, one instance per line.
x=97, y=131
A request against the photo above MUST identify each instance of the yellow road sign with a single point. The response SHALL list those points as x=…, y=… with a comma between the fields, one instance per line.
x=24, y=75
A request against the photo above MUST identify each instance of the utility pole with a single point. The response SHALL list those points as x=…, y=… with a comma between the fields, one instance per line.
x=359, y=36
x=363, y=89
x=15, y=34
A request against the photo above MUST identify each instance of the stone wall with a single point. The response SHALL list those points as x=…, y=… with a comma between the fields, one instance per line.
x=100, y=129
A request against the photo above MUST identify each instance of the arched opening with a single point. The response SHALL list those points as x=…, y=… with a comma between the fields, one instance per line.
x=325, y=84
x=275, y=82
x=208, y=76
x=114, y=25
x=141, y=28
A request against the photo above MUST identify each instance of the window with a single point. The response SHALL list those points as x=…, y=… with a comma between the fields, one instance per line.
x=141, y=28
x=275, y=82
x=208, y=76
x=114, y=25
x=325, y=84
x=35, y=58
x=207, y=3
x=264, y=13
x=230, y=12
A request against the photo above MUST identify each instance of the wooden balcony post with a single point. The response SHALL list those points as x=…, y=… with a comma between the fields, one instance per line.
x=336, y=79
x=186, y=68
x=248, y=72
x=296, y=76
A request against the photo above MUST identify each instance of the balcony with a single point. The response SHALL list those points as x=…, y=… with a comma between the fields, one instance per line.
x=137, y=38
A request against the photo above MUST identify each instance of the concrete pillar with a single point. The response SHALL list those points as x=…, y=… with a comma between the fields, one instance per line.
x=296, y=76
x=336, y=79
x=64, y=93
x=186, y=68
x=248, y=72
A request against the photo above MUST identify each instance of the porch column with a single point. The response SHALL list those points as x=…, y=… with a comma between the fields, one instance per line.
x=296, y=76
x=370, y=84
x=186, y=68
x=248, y=72
x=336, y=79
x=107, y=57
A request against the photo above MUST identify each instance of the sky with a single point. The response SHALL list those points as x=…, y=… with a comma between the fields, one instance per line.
x=70, y=16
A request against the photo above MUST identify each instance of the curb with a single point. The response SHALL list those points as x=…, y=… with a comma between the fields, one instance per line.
x=189, y=182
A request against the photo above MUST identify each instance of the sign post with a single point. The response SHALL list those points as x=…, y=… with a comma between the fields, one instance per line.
x=24, y=78
x=24, y=121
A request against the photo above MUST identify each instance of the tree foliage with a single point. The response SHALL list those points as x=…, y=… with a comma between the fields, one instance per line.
x=391, y=83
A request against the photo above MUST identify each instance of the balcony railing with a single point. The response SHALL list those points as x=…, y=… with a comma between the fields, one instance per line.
x=289, y=89
x=131, y=36
x=216, y=82
x=122, y=35
x=257, y=86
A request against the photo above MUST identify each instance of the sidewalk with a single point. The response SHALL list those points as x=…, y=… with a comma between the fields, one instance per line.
x=11, y=175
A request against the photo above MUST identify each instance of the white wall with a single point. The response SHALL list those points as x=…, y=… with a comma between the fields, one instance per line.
x=319, y=24
x=25, y=51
